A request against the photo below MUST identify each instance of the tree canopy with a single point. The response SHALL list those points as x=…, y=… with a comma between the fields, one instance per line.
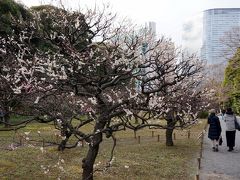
x=232, y=81
x=62, y=66
x=9, y=11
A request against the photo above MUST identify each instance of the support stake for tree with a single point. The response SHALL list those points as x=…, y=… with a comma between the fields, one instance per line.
x=199, y=162
x=57, y=138
x=138, y=139
x=135, y=135
x=21, y=140
x=202, y=137
x=152, y=133
x=174, y=136
x=158, y=138
x=189, y=133
x=197, y=177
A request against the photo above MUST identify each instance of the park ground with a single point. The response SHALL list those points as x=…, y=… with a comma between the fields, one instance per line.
x=143, y=157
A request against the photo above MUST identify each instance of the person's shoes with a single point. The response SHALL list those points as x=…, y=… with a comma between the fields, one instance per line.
x=230, y=149
x=214, y=149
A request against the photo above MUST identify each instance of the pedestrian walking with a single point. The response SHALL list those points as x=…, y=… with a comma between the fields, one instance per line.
x=230, y=120
x=214, y=131
x=222, y=114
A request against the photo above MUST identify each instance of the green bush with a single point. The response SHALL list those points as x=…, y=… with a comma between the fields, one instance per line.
x=203, y=114
x=10, y=10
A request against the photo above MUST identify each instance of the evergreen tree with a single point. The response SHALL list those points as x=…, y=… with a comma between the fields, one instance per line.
x=11, y=11
x=232, y=81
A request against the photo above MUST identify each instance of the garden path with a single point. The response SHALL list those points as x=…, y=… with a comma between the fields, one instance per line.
x=222, y=165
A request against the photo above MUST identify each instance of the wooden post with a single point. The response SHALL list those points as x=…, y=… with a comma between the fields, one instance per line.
x=21, y=140
x=174, y=136
x=158, y=138
x=135, y=135
x=138, y=139
x=199, y=162
x=152, y=133
x=197, y=177
x=189, y=134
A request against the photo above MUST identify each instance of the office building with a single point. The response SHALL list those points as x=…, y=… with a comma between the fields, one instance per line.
x=151, y=27
x=216, y=24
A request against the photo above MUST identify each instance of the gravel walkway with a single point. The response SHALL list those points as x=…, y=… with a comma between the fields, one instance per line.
x=222, y=165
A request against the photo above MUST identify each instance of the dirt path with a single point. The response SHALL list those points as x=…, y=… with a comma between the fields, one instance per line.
x=222, y=165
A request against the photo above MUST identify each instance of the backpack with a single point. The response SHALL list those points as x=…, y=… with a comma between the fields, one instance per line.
x=237, y=126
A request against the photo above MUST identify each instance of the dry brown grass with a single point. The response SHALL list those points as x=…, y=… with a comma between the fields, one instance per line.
x=148, y=160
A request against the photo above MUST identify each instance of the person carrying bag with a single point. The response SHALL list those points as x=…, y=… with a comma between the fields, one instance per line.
x=214, y=131
x=220, y=140
x=230, y=120
x=237, y=125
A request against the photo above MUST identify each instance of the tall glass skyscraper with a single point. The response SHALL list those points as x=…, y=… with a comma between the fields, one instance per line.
x=151, y=27
x=216, y=22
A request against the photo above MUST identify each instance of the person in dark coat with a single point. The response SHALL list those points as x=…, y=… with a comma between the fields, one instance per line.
x=214, y=131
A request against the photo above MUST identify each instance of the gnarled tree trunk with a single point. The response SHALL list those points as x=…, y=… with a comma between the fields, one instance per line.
x=63, y=143
x=88, y=161
x=169, y=139
x=170, y=127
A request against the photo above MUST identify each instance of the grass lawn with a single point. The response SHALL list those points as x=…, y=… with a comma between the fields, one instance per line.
x=132, y=161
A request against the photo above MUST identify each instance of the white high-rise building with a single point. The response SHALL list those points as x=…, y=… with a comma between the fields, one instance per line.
x=151, y=27
x=216, y=23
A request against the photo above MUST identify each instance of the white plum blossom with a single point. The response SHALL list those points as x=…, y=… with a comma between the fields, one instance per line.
x=128, y=112
x=37, y=100
x=61, y=168
x=109, y=98
x=97, y=131
x=112, y=160
x=12, y=146
x=41, y=149
x=27, y=133
x=63, y=137
x=79, y=144
x=97, y=164
x=120, y=100
x=59, y=121
x=153, y=102
x=17, y=90
x=93, y=100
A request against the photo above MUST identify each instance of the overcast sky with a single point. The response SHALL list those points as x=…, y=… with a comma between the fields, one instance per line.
x=179, y=19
